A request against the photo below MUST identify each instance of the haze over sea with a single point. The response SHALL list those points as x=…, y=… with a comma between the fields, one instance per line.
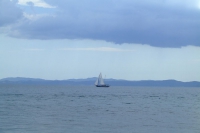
x=85, y=109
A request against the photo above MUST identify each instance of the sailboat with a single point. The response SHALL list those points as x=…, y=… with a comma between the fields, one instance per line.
x=100, y=83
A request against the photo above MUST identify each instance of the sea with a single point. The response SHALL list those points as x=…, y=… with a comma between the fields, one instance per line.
x=88, y=109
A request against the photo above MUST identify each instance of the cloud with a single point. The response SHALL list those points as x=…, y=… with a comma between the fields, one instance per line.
x=105, y=49
x=38, y=3
x=9, y=13
x=158, y=23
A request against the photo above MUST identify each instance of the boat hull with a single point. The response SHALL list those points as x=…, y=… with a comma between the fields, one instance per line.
x=102, y=86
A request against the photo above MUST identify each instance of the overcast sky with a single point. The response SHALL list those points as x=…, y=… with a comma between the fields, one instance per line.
x=123, y=39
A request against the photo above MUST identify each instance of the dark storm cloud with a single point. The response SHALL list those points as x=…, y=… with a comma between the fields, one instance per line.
x=156, y=23
x=9, y=13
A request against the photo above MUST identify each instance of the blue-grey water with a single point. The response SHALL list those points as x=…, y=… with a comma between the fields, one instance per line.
x=87, y=109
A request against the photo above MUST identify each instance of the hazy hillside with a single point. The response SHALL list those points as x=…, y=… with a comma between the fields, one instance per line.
x=91, y=81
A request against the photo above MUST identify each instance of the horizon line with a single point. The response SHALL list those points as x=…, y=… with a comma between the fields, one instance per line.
x=97, y=77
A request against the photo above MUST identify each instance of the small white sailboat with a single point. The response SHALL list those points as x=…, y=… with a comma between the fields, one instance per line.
x=100, y=83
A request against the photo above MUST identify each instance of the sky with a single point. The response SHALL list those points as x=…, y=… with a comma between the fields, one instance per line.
x=123, y=39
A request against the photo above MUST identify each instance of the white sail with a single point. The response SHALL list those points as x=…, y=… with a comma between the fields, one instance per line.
x=101, y=82
x=97, y=82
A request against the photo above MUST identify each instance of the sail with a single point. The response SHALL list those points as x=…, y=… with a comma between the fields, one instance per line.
x=101, y=82
x=97, y=82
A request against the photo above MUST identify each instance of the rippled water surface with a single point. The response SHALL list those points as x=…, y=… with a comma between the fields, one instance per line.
x=87, y=109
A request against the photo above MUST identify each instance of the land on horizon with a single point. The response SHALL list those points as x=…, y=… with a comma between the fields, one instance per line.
x=90, y=81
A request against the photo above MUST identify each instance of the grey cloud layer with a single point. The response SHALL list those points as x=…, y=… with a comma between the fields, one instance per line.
x=155, y=23
x=9, y=13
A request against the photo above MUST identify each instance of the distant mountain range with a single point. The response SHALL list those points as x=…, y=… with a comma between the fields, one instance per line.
x=90, y=81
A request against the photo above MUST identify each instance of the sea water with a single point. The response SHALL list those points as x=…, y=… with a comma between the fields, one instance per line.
x=87, y=109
